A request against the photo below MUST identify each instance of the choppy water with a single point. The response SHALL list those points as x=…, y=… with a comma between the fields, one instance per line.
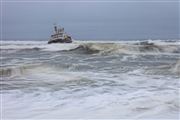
x=90, y=79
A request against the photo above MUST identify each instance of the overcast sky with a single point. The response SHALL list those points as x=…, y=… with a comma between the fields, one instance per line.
x=91, y=20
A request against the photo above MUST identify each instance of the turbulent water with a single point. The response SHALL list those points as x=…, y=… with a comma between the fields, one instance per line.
x=90, y=79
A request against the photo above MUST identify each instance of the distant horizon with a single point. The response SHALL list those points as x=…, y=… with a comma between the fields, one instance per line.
x=178, y=39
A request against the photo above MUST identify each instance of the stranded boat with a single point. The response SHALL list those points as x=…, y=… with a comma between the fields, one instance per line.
x=59, y=36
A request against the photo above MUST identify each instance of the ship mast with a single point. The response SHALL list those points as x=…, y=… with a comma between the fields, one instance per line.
x=55, y=29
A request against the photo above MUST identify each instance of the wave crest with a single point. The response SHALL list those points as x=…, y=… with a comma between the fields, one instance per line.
x=15, y=71
x=105, y=47
x=176, y=68
x=115, y=48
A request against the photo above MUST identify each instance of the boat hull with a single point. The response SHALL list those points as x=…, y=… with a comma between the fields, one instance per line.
x=67, y=40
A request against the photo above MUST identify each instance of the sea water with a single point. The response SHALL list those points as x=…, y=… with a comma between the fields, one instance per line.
x=90, y=79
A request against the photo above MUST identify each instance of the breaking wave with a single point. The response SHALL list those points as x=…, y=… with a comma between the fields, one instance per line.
x=176, y=67
x=41, y=68
x=115, y=48
x=38, y=47
x=95, y=47
x=15, y=71
x=170, y=69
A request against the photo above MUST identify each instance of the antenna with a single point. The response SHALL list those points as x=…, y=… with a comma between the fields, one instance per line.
x=55, y=28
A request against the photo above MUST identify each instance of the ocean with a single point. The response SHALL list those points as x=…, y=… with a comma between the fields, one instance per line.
x=90, y=80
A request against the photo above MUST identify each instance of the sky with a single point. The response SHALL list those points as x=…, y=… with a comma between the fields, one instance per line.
x=90, y=20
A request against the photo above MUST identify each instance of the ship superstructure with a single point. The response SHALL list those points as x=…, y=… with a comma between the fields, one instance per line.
x=59, y=36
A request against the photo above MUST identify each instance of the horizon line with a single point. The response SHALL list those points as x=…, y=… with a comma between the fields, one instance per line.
x=98, y=1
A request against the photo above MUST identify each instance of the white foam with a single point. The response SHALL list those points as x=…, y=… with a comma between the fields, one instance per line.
x=60, y=47
x=128, y=47
x=116, y=102
x=176, y=67
x=15, y=42
x=20, y=45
